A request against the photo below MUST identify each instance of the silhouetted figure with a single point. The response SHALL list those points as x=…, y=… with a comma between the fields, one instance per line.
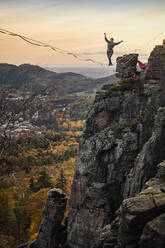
x=110, y=46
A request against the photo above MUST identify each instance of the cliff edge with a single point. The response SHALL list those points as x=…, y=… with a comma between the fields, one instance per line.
x=118, y=196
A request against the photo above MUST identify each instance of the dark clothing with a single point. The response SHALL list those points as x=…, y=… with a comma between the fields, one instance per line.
x=109, y=55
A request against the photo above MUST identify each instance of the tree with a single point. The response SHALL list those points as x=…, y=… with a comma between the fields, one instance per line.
x=61, y=182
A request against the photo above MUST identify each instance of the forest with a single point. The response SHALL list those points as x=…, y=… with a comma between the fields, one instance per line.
x=31, y=165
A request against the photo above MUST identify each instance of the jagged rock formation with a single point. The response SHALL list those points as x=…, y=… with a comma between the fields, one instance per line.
x=51, y=233
x=118, y=192
x=156, y=63
x=126, y=65
x=123, y=142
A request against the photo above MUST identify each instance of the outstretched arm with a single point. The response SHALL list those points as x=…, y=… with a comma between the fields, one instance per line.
x=117, y=43
x=106, y=37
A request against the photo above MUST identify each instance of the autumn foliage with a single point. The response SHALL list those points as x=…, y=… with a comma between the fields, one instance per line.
x=30, y=166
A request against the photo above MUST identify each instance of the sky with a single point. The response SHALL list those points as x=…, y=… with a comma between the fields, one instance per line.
x=78, y=26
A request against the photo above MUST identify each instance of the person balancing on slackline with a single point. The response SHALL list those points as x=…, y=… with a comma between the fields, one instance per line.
x=110, y=46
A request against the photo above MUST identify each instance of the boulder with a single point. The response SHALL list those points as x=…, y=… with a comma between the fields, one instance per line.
x=126, y=65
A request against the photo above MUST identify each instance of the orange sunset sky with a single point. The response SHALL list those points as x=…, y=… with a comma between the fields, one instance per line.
x=78, y=26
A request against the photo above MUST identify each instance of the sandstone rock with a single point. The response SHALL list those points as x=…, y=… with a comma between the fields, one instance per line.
x=154, y=233
x=156, y=64
x=152, y=153
x=139, y=222
x=142, y=217
x=118, y=192
x=50, y=232
x=126, y=65
x=161, y=171
x=122, y=144
x=119, y=126
x=109, y=233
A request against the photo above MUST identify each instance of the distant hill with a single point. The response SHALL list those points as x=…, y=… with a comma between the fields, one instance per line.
x=35, y=78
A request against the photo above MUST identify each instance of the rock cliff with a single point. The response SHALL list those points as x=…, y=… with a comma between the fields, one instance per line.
x=118, y=197
x=118, y=192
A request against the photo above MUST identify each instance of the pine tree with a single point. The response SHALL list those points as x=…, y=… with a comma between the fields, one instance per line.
x=61, y=182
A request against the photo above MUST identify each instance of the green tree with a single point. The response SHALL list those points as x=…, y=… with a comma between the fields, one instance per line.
x=61, y=182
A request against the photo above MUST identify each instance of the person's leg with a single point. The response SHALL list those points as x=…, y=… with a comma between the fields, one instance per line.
x=109, y=54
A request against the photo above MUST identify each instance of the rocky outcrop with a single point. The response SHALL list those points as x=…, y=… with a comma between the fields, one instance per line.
x=118, y=192
x=126, y=65
x=123, y=143
x=52, y=233
x=156, y=63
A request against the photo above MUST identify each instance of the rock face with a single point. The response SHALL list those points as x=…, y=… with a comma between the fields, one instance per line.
x=142, y=217
x=154, y=233
x=118, y=194
x=51, y=232
x=126, y=65
x=151, y=154
x=156, y=64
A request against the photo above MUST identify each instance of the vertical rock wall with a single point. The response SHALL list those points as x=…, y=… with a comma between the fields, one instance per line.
x=113, y=155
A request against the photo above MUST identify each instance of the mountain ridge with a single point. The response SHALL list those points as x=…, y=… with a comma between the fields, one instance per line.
x=36, y=77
